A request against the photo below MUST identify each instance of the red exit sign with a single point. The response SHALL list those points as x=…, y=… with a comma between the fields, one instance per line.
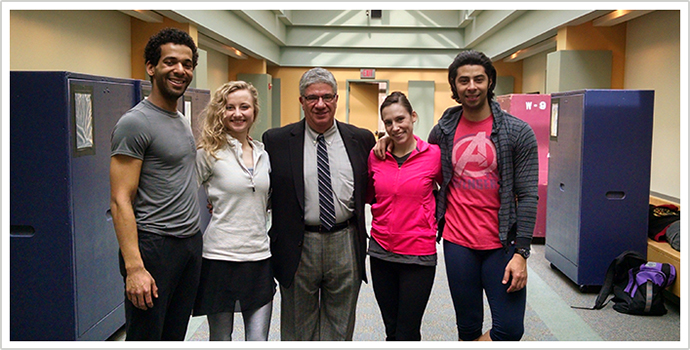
x=367, y=73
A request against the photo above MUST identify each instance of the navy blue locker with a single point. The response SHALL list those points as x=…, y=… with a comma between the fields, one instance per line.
x=599, y=173
x=64, y=277
x=191, y=105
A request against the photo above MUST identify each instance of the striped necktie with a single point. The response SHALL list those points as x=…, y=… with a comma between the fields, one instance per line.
x=326, y=206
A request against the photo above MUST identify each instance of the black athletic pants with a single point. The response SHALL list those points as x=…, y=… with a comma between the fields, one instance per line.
x=402, y=292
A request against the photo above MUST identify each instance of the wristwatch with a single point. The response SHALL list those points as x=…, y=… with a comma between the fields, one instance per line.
x=524, y=252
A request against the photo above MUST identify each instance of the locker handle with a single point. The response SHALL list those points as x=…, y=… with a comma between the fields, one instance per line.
x=615, y=195
x=108, y=215
x=562, y=187
x=22, y=231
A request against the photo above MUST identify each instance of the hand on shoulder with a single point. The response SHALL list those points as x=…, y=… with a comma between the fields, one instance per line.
x=383, y=145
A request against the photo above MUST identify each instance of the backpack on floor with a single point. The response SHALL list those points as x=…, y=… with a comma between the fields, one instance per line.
x=637, y=285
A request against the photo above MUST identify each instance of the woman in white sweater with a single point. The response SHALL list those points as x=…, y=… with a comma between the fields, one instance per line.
x=234, y=169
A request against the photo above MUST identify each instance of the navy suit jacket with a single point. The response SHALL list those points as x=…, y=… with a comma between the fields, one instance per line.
x=285, y=147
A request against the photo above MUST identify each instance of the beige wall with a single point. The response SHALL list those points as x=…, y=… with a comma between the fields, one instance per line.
x=91, y=42
x=534, y=73
x=217, y=70
x=588, y=37
x=250, y=65
x=653, y=62
x=508, y=69
x=398, y=79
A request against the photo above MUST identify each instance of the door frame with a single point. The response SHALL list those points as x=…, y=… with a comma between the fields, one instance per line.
x=347, y=92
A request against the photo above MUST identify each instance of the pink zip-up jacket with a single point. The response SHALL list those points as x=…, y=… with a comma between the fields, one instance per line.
x=402, y=200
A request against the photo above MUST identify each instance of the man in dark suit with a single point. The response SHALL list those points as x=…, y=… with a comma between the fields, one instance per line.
x=318, y=235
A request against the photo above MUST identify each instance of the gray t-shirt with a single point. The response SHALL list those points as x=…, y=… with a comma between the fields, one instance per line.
x=166, y=202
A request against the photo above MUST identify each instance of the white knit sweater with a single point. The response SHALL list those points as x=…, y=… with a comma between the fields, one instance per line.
x=237, y=230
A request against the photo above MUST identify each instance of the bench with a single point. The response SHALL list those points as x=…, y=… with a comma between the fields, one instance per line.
x=663, y=252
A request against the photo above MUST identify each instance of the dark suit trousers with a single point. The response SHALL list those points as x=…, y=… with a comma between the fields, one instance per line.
x=321, y=302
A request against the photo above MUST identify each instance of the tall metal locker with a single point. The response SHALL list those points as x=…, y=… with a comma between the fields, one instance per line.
x=195, y=100
x=535, y=109
x=599, y=174
x=193, y=103
x=64, y=278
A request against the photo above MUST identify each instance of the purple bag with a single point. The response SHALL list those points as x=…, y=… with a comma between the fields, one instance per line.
x=637, y=285
x=651, y=271
x=642, y=293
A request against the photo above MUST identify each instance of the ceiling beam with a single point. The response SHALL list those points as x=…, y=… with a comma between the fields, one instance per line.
x=421, y=19
x=401, y=38
x=408, y=58
x=485, y=23
x=531, y=28
x=617, y=17
x=546, y=45
x=228, y=28
x=284, y=16
x=205, y=41
x=467, y=17
x=352, y=37
x=267, y=22
x=144, y=15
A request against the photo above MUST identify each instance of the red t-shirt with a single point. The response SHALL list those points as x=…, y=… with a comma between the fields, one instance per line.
x=473, y=199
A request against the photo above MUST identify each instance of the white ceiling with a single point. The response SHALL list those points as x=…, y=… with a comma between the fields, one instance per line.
x=399, y=39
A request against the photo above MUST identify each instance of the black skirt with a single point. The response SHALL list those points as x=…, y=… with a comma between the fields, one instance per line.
x=223, y=283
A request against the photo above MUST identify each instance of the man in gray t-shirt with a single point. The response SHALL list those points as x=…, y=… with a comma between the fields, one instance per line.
x=166, y=202
x=154, y=197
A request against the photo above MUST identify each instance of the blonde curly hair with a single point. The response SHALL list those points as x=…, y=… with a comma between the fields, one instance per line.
x=212, y=129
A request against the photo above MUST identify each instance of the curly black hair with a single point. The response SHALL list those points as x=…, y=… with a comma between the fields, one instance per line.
x=152, y=52
x=476, y=58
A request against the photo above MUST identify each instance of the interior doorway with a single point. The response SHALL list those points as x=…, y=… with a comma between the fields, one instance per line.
x=363, y=100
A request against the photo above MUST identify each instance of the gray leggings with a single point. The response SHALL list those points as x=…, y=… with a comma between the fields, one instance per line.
x=256, y=324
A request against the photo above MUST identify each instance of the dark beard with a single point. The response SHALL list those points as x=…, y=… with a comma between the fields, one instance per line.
x=172, y=95
x=167, y=93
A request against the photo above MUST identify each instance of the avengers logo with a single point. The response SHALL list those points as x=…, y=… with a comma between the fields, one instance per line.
x=475, y=156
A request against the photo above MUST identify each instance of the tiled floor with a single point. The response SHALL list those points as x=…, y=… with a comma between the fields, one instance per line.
x=548, y=316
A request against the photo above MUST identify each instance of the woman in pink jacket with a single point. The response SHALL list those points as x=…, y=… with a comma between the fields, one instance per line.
x=402, y=248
